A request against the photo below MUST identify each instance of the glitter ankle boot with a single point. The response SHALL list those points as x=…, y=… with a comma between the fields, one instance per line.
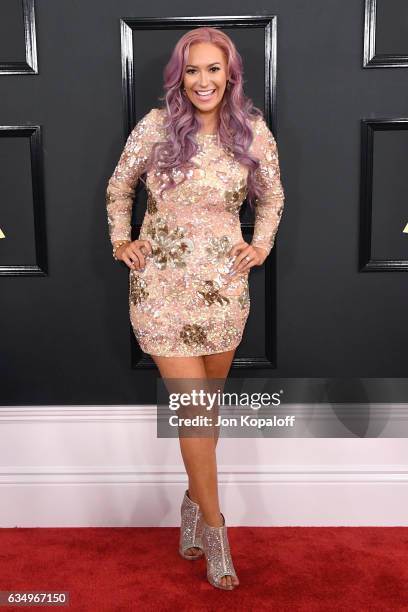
x=191, y=528
x=218, y=555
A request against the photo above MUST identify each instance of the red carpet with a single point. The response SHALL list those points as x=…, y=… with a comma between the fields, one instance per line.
x=280, y=568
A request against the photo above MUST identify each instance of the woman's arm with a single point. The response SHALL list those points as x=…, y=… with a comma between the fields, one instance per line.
x=269, y=206
x=121, y=185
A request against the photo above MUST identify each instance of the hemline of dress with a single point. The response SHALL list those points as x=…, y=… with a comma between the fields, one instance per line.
x=193, y=355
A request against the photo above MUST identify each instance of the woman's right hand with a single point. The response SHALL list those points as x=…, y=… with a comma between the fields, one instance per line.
x=133, y=253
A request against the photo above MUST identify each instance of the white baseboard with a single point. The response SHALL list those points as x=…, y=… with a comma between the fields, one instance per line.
x=104, y=466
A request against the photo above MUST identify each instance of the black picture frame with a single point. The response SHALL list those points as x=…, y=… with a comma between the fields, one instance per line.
x=30, y=66
x=40, y=267
x=372, y=59
x=366, y=261
x=268, y=25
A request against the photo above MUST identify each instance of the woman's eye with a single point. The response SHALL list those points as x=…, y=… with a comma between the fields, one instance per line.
x=191, y=70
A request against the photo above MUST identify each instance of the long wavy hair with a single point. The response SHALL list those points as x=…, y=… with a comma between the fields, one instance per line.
x=181, y=124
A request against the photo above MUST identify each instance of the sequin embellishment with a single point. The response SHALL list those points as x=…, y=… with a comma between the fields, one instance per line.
x=170, y=246
x=191, y=526
x=218, y=248
x=211, y=294
x=244, y=299
x=138, y=291
x=217, y=553
x=151, y=202
x=235, y=198
x=183, y=302
x=193, y=334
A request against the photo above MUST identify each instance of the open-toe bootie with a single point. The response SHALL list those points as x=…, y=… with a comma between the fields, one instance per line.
x=218, y=555
x=191, y=528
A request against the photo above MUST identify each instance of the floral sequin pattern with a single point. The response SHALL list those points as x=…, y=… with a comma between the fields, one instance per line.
x=184, y=302
x=218, y=248
x=235, y=197
x=269, y=206
x=121, y=186
x=151, y=202
x=193, y=334
x=170, y=247
x=138, y=289
x=211, y=293
x=244, y=298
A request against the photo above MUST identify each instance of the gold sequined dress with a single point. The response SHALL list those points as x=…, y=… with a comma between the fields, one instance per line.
x=184, y=302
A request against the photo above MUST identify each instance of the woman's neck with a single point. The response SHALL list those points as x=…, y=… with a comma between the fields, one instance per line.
x=209, y=123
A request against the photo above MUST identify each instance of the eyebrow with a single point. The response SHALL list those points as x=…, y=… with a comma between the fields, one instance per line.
x=192, y=65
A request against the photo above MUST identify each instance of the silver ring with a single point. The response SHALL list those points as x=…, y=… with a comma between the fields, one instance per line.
x=248, y=258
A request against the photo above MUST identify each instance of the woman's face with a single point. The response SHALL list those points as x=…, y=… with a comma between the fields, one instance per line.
x=205, y=71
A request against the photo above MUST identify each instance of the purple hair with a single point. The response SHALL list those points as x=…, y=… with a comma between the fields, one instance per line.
x=236, y=110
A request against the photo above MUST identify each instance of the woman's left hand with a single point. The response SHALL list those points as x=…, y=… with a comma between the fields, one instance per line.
x=246, y=256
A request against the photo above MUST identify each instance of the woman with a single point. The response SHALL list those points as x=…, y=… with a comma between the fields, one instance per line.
x=203, y=153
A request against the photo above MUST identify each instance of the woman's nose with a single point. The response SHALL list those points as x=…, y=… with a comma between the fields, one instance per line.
x=203, y=81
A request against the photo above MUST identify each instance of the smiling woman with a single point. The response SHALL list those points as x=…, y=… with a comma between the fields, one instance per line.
x=205, y=83
x=203, y=153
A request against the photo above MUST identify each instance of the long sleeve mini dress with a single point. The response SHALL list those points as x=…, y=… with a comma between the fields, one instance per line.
x=184, y=302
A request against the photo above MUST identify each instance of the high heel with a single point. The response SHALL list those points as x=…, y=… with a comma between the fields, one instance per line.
x=191, y=528
x=218, y=555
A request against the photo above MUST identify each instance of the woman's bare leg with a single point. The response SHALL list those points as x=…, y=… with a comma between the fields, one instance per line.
x=217, y=366
x=198, y=453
